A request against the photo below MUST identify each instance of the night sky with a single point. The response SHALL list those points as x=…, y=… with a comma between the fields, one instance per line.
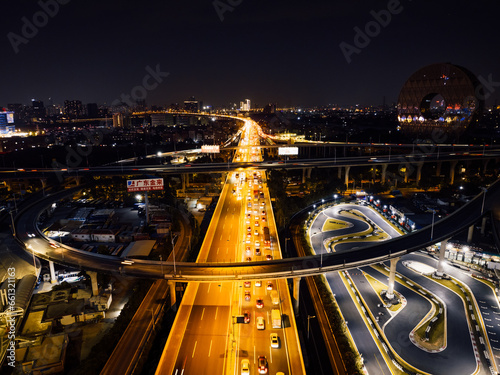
x=269, y=51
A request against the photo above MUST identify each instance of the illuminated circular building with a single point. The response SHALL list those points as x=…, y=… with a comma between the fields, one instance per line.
x=444, y=96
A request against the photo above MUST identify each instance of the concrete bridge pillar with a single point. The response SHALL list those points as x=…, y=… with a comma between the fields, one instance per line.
x=53, y=278
x=346, y=179
x=483, y=225
x=442, y=249
x=453, y=164
x=296, y=289
x=470, y=233
x=384, y=171
x=93, y=279
x=304, y=175
x=309, y=171
x=339, y=172
x=438, y=168
x=173, y=297
x=419, y=171
x=392, y=277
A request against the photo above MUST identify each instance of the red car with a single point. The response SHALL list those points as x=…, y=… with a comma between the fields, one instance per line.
x=262, y=365
x=247, y=317
x=259, y=303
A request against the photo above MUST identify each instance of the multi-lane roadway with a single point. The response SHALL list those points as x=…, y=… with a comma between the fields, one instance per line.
x=221, y=325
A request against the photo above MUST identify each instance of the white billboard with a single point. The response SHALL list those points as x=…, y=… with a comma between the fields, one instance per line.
x=288, y=151
x=208, y=149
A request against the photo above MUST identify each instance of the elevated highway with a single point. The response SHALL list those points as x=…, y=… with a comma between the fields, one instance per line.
x=283, y=268
x=367, y=160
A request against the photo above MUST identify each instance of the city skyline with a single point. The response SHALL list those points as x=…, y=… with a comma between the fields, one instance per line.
x=293, y=54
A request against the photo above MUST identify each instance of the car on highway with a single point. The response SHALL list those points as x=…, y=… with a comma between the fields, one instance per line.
x=269, y=257
x=269, y=285
x=249, y=229
x=261, y=323
x=247, y=295
x=262, y=365
x=259, y=303
x=257, y=221
x=255, y=232
x=258, y=283
x=275, y=342
x=245, y=367
x=248, y=259
x=246, y=317
x=257, y=244
x=257, y=251
x=248, y=250
x=247, y=284
x=53, y=245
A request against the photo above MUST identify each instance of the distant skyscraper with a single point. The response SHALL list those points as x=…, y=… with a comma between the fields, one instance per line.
x=6, y=122
x=73, y=108
x=37, y=107
x=245, y=105
x=192, y=105
x=18, y=109
x=270, y=108
x=118, y=120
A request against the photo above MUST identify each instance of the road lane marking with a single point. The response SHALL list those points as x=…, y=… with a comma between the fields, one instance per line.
x=254, y=355
x=221, y=237
x=271, y=354
x=216, y=310
x=202, y=313
x=210, y=349
x=176, y=371
x=217, y=250
x=194, y=349
x=208, y=290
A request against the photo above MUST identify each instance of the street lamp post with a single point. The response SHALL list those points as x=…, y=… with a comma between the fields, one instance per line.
x=308, y=318
x=173, y=248
x=161, y=266
x=13, y=227
x=432, y=225
x=484, y=197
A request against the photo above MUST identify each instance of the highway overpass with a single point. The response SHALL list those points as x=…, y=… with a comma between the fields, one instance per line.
x=284, y=268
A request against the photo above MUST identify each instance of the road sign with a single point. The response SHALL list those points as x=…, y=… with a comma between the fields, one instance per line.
x=145, y=184
x=210, y=149
x=288, y=150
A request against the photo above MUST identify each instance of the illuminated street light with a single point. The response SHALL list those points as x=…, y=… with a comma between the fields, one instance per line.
x=309, y=317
